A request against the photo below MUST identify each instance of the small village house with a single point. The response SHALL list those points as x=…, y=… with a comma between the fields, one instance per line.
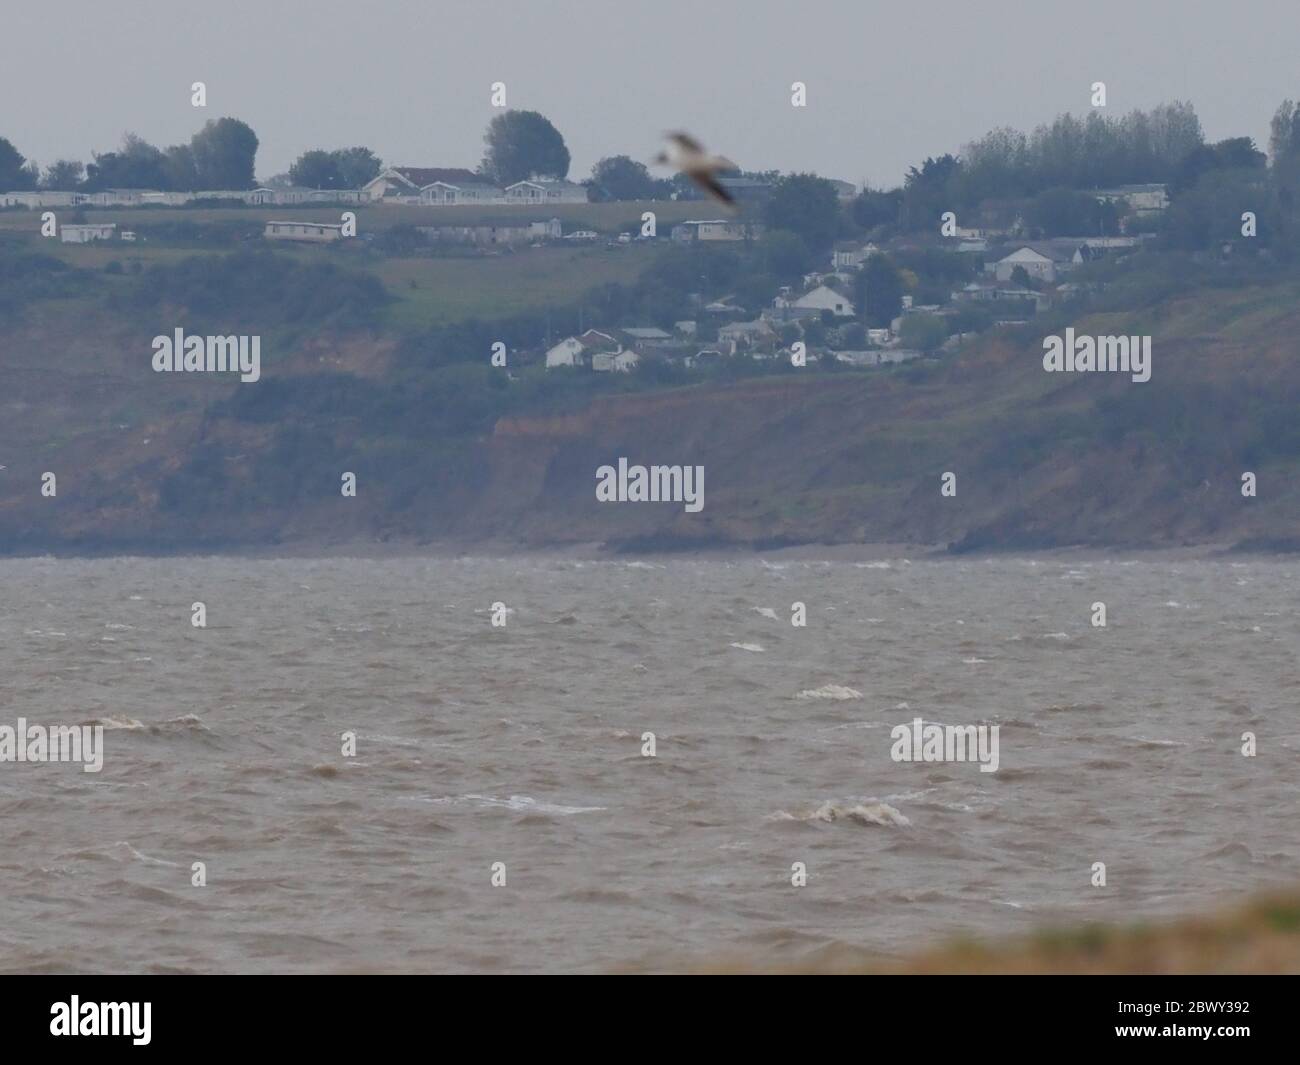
x=714, y=229
x=45, y=198
x=579, y=351
x=747, y=333
x=1141, y=199
x=646, y=336
x=85, y=234
x=494, y=235
x=427, y=184
x=614, y=361
x=545, y=191
x=1043, y=260
x=811, y=304
x=309, y=232
x=451, y=193
x=850, y=254
x=568, y=352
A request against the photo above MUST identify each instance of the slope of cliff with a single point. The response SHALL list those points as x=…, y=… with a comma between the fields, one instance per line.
x=179, y=462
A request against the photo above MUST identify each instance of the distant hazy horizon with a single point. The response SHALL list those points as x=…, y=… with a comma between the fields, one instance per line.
x=887, y=86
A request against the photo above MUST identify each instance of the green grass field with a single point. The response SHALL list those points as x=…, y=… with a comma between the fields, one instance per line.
x=427, y=290
x=434, y=291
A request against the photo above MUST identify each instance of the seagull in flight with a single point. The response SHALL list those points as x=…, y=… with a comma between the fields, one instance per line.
x=688, y=156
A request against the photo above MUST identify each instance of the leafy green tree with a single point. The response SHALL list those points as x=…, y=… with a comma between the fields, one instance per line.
x=754, y=291
x=65, y=175
x=343, y=168
x=1071, y=212
x=357, y=166
x=805, y=205
x=619, y=177
x=1208, y=215
x=1095, y=152
x=316, y=170
x=1235, y=153
x=923, y=332
x=872, y=208
x=523, y=144
x=1284, y=155
x=179, y=171
x=996, y=165
x=224, y=153
x=854, y=336
x=1284, y=130
x=14, y=177
x=136, y=165
x=878, y=292
x=784, y=254
x=929, y=192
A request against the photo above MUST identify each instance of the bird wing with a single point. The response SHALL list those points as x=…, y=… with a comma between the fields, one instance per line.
x=710, y=185
x=686, y=142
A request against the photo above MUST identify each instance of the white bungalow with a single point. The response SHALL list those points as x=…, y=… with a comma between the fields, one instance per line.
x=84, y=234
x=823, y=298
x=45, y=198
x=396, y=184
x=748, y=332
x=165, y=199
x=311, y=232
x=116, y=198
x=648, y=336
x=450, y=193
x=1042, y=260
x=1143, y=199
x=581, y=351
x=614, y=361
x=714, y=229
x=545, y=191
x=568, y=352
x=850, y=254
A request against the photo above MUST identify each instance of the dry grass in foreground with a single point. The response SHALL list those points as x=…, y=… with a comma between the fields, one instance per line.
x=1262, y=936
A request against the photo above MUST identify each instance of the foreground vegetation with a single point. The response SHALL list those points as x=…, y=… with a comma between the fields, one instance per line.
x=1261, y=936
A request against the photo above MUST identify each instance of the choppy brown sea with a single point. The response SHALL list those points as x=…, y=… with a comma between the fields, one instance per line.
x=523, y=744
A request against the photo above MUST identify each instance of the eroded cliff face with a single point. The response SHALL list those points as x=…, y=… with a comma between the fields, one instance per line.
x=1038, y=460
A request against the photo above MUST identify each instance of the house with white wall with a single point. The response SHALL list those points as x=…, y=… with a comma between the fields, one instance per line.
x=489, y=235
x=581, y=350
x=1142, y=199
x=45, y=198
x=746, y=333
x=568, y=352
x=614, y=361
x=714, y=229
x=308, y=232
x=84, y=234
x=397, y=184
x=1042, y=260
x=850, y=254
x=545, y=191
x=450, y=193
x=811, y=304
x=646, y=336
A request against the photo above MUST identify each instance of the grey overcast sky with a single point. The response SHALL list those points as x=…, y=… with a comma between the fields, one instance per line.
x=888, y=83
